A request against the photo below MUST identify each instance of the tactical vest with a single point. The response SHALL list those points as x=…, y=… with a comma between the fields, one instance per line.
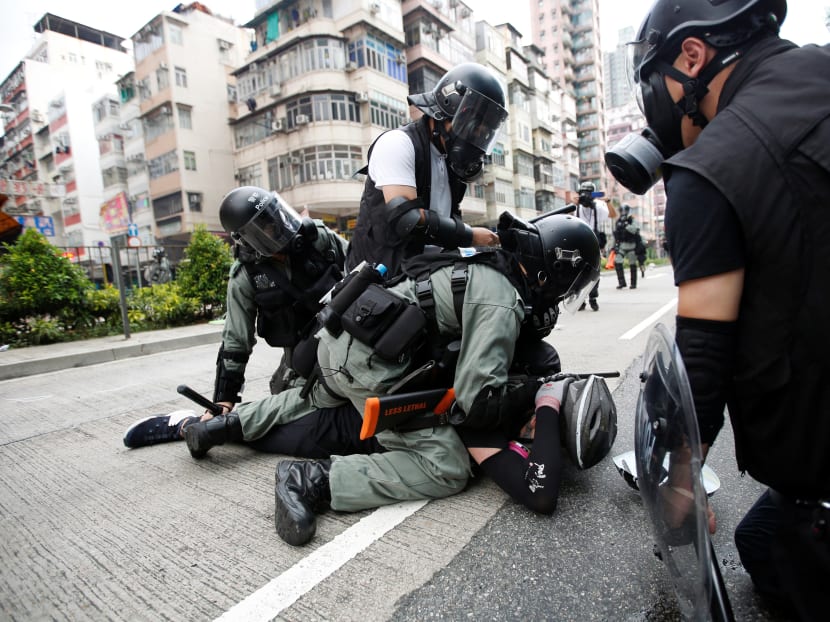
x=768, y=151
x=373, y=240
x=286, y=306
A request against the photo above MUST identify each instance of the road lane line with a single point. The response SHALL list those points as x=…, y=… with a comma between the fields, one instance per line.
x=282, y=591
x=651, y=319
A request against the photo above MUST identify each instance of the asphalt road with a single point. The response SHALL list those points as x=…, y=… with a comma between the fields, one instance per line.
x=90, y=530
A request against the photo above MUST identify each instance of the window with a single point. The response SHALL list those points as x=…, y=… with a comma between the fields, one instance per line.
x=250, y=175
x=163, y=165
x=185, y=120
x=194, y=201
x=387, y=112
x=162, y=78
x=175, y=32
x=189, y=161
x=181, y=77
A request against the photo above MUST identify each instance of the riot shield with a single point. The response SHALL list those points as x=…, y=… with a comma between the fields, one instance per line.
x=669, y=469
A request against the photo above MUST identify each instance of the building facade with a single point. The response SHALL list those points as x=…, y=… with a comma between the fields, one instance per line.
x=568, y=31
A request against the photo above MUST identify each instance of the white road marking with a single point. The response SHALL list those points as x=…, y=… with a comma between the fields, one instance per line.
x=34, y=398
x=651, y=319
x=282, y=591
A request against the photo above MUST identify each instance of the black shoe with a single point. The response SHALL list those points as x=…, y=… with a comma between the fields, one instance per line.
x=301, y=492
x=159, y=429
x=218, y=430
x=621, y=286
x=581, y=307
x=594, y=304
x=633, y=287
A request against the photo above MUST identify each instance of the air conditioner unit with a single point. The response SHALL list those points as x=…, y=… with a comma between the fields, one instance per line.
x=194, y=198
x=294, y=160
x=124, y=126
x=165, y=110
x=275, y=90
x=351, y=65
x=224, y=45
x=465, y=12
x=374, y=8
x=362, y=97
x=302, y=119
x=162, y=65
x=278, y=125
x=401, y=58
x=37, y=116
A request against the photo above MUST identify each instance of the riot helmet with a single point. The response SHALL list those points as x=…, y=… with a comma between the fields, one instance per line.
x=729, y=26
x=264, y=222
x=560, y=255
x=469, y=96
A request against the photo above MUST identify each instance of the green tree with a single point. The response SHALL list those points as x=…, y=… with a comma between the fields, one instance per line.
x=36, y=280
x=203, y=275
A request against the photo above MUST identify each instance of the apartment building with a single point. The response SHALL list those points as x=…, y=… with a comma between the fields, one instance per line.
x=50, y=156
x=568, y=32
x=322, y=80
x=184, y=64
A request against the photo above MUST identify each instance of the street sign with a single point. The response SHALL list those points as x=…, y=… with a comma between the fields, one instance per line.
x=132, y=230
x=134, y=241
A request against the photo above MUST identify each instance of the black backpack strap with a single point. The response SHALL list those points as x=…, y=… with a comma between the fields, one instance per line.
x=458, y=284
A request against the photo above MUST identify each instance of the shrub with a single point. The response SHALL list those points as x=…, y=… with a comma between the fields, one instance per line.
x=36, y=280
x=203, y=275
x=162, y=305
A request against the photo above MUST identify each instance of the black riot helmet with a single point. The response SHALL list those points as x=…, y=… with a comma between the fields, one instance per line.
x=729, y=26
x=560, y=254
x=471, y=97
x=264, y=222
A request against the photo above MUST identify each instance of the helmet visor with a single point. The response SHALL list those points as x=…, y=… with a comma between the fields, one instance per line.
x=581, y=286
x=272, y=228
x=478, y=120
x=637, y=52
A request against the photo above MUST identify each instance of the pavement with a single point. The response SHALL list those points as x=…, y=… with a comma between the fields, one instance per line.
x=21, y=362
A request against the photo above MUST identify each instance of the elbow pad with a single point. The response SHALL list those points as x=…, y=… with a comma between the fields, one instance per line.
x=708, y=351
x=404, y=216
x=494, y=409
x=447, y=232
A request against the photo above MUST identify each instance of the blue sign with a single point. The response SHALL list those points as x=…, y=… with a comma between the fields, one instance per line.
x=44, y=224
x=132, y=230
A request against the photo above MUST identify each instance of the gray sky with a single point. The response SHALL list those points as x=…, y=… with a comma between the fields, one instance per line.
x=804, y=23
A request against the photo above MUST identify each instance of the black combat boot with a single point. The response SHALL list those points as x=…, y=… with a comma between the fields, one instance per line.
x=633, y=276
x=200, y=437
x=620, y=275
x=301, y=492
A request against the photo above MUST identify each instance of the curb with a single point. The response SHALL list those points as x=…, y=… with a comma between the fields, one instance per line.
x=107, y=354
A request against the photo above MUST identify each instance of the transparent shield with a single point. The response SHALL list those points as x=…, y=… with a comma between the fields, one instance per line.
x=669, y=466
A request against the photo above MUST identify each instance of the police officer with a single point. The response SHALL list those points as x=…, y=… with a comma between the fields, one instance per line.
x=739, y=127
x=418, y=174
x=595, y=213
x=284, y=265
x=626, y=242
x=554, y=259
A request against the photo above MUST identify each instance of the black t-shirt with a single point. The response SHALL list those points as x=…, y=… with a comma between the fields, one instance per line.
x=702, y=229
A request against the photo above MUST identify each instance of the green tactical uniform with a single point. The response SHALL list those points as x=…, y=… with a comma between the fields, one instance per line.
x=427, y=463
x=238, y=335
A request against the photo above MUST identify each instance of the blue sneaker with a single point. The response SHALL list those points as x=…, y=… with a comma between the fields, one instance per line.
x=159, y=429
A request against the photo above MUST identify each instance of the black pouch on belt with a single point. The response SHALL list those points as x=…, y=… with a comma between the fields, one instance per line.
x=384, y=321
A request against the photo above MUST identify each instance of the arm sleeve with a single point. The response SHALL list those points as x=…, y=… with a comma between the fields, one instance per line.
x=393, y=160
x=708, y=351
x=702, y=230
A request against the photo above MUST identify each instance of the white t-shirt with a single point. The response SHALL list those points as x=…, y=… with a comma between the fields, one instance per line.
x=587, y=214
x=393, y=164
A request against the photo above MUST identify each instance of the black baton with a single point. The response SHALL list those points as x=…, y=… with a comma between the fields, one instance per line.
x=200, y=399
